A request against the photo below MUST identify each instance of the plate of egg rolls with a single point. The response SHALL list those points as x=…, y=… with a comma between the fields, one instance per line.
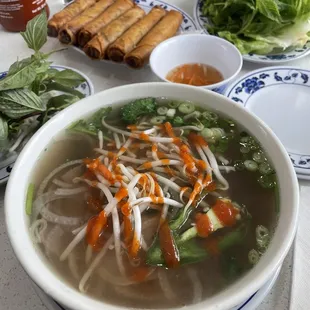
x=121, y=31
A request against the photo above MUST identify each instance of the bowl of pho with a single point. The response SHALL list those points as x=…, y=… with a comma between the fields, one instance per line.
x=152, y=195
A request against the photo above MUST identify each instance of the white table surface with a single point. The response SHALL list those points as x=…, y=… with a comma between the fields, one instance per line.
x=16, y=291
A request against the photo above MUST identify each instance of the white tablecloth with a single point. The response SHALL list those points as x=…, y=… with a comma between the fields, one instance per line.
x=16, y=292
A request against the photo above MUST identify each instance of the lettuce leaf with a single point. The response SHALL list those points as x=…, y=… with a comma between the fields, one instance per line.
x=260, y=26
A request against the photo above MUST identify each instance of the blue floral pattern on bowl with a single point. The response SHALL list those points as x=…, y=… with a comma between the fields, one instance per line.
x=243, y=89
x=202, y=21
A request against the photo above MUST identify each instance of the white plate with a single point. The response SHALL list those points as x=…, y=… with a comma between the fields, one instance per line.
x=265, y=59
x=188, y=25
x=85, y=88
x=280, y=97
x=251, y=304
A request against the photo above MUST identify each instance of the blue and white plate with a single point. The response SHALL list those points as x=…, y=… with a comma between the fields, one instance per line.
x=250, y=304
x=188, y=25
x=280, y=96
x=85, y=88
x=265, y=59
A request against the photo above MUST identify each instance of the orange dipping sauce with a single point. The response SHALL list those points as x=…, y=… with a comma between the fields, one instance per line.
x=195, y=74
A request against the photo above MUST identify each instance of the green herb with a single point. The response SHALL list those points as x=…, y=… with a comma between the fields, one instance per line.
x=137, y=108
x=30, y=84
x=92, y=125
x=29, y=199
x=260, y=26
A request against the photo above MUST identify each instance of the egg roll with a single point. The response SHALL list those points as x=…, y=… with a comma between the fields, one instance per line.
x=65, y=15
x=166, y=28
x=68, y=33
x=128, y=41
x=97, y=46
x=110, y=14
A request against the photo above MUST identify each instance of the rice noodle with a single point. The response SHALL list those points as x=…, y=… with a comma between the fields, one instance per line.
x=51, y=242
x=54, y=172
x=94, y=265
x=73, y=266
x=60, y=219
x=77, y=239
x=88, y=254
x=61, y=183
x=165, y=285
x=69, y=191
x=196, y=284
x=37, y=230
x=77, y=230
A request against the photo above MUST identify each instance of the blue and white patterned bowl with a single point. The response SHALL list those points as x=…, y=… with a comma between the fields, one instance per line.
x=280, y=97
x=294, y=54
x=85, y=88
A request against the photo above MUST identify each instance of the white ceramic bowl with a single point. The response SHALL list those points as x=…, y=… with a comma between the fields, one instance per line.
x=35, y=264
x=197, y=48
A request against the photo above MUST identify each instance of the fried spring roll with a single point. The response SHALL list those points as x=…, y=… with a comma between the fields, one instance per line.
x=97, y=46
x=128, y=41
x=165, y=29
x=111, y=13
x=68, y=33
x=64, y=16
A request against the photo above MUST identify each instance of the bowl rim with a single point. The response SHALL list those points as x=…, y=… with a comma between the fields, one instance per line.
x=54, y=286
x=204, y=37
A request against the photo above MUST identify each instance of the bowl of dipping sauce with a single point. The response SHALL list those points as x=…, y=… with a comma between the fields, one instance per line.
x=197, y=59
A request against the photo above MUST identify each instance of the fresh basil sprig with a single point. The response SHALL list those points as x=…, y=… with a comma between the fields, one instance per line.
x=32, y=88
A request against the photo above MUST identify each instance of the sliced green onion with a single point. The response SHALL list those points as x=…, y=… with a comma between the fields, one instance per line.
x=239, y=165
x=262, y=237
x=178, y=121
x=162, y=110
x=267, y=180
x=195, y=114
x=207, y=133
x=245, y=139
x=244, y=150
x=186, y=108
x=171, y=113
x=259, y=157
x=250, y=165
x=173, y=104
x=199, y=125
x=29, y=199
x=218, y=133
x=210, y=116
x=156, y=120
x=264, y=168
x=253, y=257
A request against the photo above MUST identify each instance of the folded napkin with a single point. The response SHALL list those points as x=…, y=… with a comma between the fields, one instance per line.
x=300, y=290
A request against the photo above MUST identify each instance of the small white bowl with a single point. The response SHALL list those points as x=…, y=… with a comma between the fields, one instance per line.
x=197, y=48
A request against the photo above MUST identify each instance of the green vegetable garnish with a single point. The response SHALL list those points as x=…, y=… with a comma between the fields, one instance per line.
x=26, y=89
x=133, y=110
x=29, y=199
x=260, y=26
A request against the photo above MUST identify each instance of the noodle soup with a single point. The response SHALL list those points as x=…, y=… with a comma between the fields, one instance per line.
x=158, y=204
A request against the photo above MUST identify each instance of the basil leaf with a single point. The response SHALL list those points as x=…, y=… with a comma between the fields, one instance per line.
x=36, y=32
x=92, y=125
x=63, y=88
x=21, y=74
x=57, y=103
x=3, y=129
x=68, y=78
x=60, y=102
x=19, y=102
